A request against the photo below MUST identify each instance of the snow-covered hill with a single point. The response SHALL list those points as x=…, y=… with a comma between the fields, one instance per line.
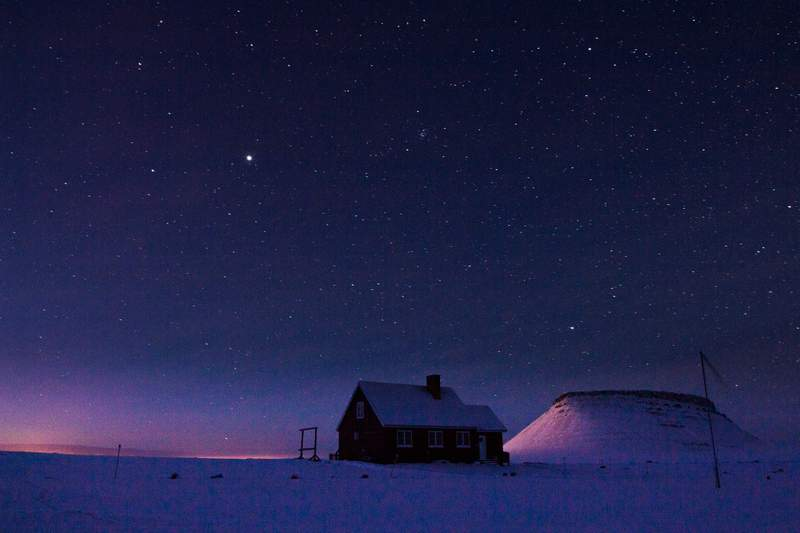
x=630, y=426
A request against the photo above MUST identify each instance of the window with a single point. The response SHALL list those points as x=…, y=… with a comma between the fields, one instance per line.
x=355, y=435
x=404, y=438
x=462, y=439
x=435, y=439
x=359, y=410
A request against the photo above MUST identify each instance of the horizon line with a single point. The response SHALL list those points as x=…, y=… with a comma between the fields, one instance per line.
x=104, y=451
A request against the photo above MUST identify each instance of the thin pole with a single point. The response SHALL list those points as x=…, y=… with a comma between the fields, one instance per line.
x=710, y=425
x=302, y=434
x=116, y=467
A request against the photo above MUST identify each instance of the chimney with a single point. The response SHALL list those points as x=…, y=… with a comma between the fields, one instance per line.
x=434, y=385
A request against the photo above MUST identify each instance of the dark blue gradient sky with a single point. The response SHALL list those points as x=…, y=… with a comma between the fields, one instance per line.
x=526, y=198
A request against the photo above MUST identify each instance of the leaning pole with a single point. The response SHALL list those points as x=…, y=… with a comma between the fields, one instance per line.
x=710, y=424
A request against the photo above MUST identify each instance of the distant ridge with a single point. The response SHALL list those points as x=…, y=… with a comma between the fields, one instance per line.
x=72, y=449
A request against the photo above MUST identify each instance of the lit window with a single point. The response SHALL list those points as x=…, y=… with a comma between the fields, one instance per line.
x=462, y=439
x=435, y=439
x=404, y=438
x=359, y=409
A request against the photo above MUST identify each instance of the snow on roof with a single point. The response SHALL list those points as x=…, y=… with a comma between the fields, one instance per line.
x=485, y=418
x=397, y=405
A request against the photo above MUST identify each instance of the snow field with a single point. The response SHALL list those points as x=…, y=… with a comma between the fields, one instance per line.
x=40, y=492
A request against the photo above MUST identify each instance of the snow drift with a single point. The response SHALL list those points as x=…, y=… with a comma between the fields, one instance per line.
x=630, y=426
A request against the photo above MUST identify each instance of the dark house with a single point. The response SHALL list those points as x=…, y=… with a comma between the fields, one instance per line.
x=393, y=422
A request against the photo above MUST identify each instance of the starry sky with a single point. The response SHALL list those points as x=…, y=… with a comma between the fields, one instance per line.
x=216, y=218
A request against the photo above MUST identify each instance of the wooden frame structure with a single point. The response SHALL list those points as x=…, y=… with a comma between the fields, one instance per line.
x=304, y=448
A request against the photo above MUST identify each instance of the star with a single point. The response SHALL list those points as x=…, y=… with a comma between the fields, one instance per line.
x=248, y=158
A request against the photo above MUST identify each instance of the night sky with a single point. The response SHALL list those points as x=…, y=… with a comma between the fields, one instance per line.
x=214, y=220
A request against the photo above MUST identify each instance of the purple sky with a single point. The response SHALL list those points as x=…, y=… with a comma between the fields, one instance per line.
x=525, y=199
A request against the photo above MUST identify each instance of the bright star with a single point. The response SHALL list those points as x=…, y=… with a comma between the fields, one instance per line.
x=248, y=157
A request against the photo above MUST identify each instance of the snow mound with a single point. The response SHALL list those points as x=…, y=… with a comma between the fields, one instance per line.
x=630, y=426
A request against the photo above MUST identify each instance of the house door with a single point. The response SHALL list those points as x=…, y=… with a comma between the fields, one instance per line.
x=482, y=447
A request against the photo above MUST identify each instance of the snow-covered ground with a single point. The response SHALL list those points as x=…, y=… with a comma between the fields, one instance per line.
x=41, y=492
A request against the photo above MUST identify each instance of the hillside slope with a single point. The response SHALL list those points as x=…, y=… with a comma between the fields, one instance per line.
x=629, y=426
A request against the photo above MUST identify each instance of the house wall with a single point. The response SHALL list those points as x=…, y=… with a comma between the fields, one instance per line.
x=379, y=444
x=370, y=445
x=420, y=452
x=494, y=445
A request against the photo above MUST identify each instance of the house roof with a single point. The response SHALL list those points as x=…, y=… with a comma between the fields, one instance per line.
x=485, y=418
x=400, y=405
